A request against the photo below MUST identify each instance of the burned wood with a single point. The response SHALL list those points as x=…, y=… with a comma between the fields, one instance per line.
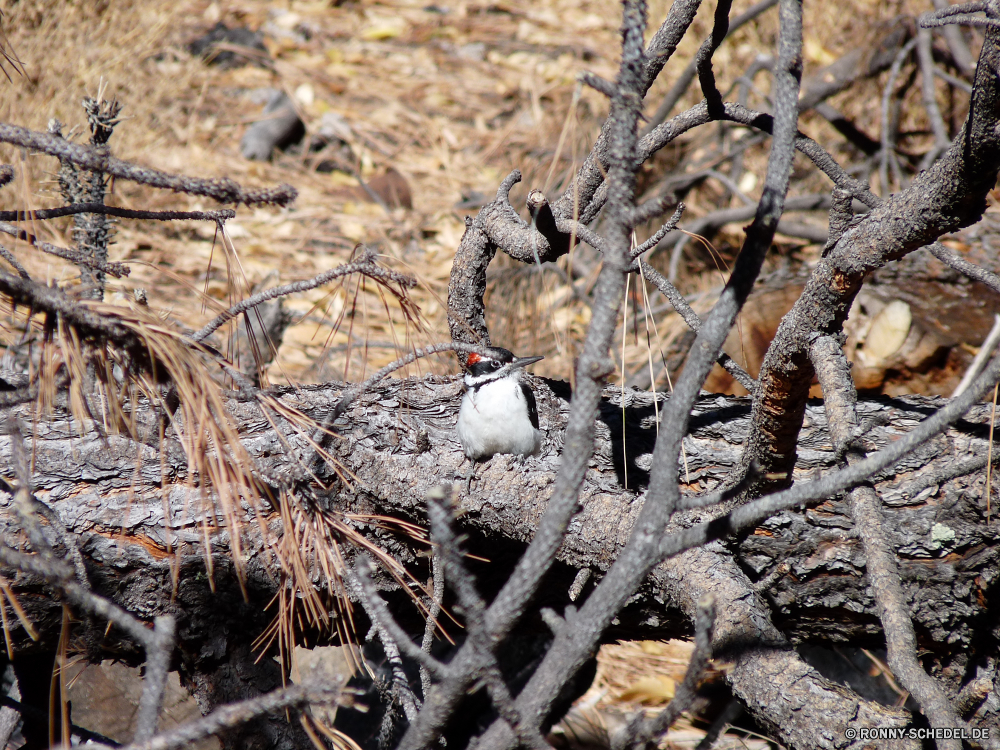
x=391, y=478
x=880, y=562
x=958, y=183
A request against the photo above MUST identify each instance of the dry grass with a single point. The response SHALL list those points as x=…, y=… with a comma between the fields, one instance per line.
x=453, y=96
x=453, y=100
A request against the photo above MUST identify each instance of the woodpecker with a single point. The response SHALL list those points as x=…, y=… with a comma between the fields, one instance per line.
x=498, y=413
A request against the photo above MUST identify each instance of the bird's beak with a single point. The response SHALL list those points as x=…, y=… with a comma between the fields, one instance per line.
x=524, y=362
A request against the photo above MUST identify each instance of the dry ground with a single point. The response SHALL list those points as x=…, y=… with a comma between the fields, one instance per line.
x=452, y=95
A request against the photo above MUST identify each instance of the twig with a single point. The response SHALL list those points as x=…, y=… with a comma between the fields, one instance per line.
x=76, y=256
x=668, y=290
x=684, y=80
x=940, y=130
x=591, y=175
x=972, y=694
x=8, y=256
x=885, y=131
x=433, y=611
x=379, y=613
x=238, y=714
x=645, y=735
x=964, y=20
x=222, y=214
x=703, y=58
x=364, y=266
x=659, y=234
x=603, y=85
x=882, y=568
x=978, y=273
x=949, y=11
x=981, y=358
x=733, y=112
x=52, y=300
x=223, y=190
x=92, y=231
x=729, y=714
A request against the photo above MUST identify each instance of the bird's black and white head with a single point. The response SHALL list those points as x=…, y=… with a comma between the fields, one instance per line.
x=500, y=363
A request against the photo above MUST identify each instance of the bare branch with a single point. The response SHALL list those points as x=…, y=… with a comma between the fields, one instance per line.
x=880, y=562
x=949, y=11
x=961, y=19
x=957, y=44
x=118, y=270
x=41, y=214
x=954, y=260
x=683, y=81
x=750, y=515
x=53, y=300
x=703, y=59
x=238, y=714
x=603, y=85
x=8, y=256
x=886, y=135
x=940, y=130
x=659, y=234
x=365, y=265
x=433, y=612
x=949, y=195
x=379, y=613
x=646, y=735
x=155, y=681
x=223, y=190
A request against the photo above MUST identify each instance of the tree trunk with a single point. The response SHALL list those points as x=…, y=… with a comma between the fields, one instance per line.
x=396, y=443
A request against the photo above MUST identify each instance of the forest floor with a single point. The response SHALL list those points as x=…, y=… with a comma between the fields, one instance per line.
x=433, y=102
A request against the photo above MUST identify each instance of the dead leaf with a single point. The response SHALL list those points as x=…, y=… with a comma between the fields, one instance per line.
x=650, y=690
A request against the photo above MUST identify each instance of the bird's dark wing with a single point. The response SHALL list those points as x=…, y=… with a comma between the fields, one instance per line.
x=529, y=397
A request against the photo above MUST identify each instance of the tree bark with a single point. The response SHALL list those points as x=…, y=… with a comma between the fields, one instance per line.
x=397, y=442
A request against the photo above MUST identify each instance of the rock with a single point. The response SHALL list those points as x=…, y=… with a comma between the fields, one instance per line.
x=280, y=128
x=208, y=46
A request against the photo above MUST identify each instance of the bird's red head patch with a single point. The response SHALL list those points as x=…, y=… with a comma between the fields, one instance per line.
x=472, y=359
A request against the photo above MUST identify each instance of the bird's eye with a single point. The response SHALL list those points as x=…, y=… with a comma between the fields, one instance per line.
x=496, y=365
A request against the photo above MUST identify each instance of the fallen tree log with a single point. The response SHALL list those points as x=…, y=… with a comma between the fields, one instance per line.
x=143, y=537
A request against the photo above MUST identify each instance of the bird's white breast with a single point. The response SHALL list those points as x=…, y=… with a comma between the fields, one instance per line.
x=494, y=419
